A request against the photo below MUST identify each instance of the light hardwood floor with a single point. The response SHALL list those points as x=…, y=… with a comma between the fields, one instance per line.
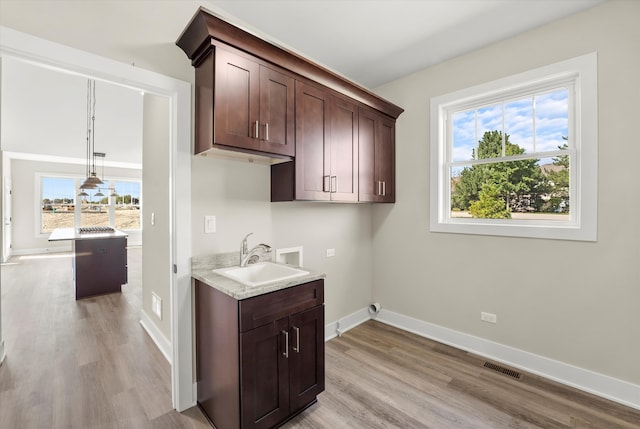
x=80, y=364
x=89, y=364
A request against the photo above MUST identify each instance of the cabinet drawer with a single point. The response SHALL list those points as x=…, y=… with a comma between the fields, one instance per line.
x=264, y=309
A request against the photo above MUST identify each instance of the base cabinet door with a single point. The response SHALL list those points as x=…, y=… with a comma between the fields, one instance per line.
x=306, y=357
x=260, y=360
x=264, y=376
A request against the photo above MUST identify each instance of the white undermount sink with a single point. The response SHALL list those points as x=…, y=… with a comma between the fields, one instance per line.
x=260, y=273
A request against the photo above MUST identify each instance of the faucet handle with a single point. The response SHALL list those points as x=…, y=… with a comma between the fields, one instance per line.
x=243, y=244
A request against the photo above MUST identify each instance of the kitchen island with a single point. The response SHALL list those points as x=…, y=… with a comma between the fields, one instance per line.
x=99, y=259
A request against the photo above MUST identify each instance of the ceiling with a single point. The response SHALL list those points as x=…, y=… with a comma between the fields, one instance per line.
x=376, y=41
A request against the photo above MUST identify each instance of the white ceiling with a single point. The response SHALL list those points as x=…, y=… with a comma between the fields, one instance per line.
x=376, y=41
x=44, y=112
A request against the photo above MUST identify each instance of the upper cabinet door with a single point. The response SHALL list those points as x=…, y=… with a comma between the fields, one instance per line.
x=277, y=126
x=237, y=100
x=312, y=169
x=376, y=140
x=254, y=105
x=343, y=180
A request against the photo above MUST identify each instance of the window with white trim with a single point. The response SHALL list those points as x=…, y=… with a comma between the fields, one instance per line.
x=518, y=156
x=57, y=203
x=116, y=204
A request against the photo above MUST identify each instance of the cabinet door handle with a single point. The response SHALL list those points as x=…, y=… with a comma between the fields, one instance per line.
x=379, y=190
x=286, y=344
x=334, y=183
x=384, y=189
x=297, y=346
x=325, y=184
x=257, y=136
x=266, y=131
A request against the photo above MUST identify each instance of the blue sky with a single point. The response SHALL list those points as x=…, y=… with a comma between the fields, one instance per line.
x=550, y=125
x=62, y=187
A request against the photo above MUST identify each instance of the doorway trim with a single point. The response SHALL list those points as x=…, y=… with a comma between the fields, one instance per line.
x=25, y=47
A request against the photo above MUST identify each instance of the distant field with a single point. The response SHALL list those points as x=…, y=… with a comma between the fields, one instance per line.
x=125, y=219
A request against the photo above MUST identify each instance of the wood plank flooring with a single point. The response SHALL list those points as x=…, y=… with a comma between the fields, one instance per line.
x=89, y=364
x=80, y=364
x=378, y=376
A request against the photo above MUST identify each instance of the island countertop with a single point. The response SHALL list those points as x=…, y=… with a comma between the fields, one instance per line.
x=202, y=269
x=61, y=234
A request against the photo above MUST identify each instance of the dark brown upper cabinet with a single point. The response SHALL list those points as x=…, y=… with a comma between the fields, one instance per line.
x=243, y=105
x=254, y=97
x=326, y=163
x=376, y=141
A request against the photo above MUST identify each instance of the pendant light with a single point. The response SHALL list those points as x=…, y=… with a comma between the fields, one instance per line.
x=99, y=155
x=92, y=180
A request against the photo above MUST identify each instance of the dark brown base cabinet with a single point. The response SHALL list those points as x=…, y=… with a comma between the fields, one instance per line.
x=260, y=361
x=100, y=266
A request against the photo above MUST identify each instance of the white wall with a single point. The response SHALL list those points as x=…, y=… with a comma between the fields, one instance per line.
x=2, y=352
x=26, y=237
x=238, y=194
x=156, y=258
x=573, y=302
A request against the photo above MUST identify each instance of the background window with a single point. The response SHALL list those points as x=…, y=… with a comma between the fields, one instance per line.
x=518, y=156
x=57, y=198
x=60, y=207
x=127, y=205
x=511, y=160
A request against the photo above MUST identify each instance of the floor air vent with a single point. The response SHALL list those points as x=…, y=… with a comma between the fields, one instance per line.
x=506, y=371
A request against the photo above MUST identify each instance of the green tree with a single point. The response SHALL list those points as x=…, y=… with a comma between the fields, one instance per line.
x=515, y=183
x=490, y=204
x=559, y=181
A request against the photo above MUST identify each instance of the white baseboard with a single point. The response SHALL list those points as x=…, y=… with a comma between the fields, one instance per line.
x=598, y=384
x=41, y=250
x=158, y=337
x=342, y=325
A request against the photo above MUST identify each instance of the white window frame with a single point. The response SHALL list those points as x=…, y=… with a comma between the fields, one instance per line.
x=77, y=209
x=38, y=200
x=583, y=126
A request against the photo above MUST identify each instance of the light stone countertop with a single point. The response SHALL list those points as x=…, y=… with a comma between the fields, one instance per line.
x=202, y=269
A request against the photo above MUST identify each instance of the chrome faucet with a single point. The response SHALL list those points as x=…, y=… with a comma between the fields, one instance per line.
x=249, y=256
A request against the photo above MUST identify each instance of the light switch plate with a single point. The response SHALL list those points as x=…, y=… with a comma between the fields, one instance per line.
x=331, y=253
x=156, y=305
x=209, y=224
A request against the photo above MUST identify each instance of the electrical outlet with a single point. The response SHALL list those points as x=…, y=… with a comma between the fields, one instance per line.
x=156, y=305
x=209, y=224
x=488, y=317
x=331, y=253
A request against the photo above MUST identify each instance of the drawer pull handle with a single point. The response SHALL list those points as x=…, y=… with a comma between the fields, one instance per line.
x=286, y=344
x=297, y=346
